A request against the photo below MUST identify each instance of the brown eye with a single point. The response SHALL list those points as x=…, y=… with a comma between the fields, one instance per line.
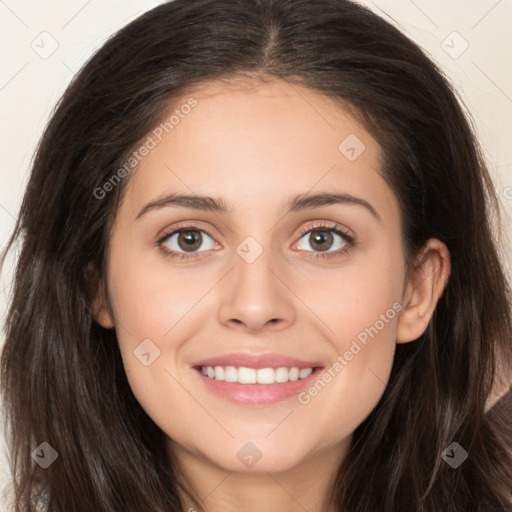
x=188, y=240
x=321, y=240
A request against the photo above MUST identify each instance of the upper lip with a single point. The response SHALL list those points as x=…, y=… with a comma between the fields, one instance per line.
x=257, y=361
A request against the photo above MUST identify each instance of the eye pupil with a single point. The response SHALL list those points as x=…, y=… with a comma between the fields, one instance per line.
x=318, y=239
x=192, y=240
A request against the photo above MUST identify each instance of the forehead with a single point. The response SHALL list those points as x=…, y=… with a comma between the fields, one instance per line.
x=249, y=142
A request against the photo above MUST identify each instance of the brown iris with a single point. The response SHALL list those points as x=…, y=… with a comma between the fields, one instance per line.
x=321, y=240
x=190, y=240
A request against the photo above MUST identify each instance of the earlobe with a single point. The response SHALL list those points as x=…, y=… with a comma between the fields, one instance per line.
x=426, y=283
x=102, y=313
x=101, y=308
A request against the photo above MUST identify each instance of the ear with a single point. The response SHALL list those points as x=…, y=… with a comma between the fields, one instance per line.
x=425, y=284
x=101, y=307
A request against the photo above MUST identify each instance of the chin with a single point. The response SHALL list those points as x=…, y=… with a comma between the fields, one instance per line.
x=257, y=457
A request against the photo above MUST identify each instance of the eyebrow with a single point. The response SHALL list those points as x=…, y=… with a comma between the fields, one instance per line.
x=297, y=203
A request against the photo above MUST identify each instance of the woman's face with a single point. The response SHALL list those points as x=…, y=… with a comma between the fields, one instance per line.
x=258, y=278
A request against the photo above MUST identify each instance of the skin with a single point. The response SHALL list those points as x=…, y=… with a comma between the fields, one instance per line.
x=255, y=145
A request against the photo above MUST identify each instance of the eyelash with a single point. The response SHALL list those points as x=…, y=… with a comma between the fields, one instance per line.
x=333, y=227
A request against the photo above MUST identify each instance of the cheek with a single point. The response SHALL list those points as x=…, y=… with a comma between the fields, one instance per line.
x=359, y=310
x=360, y=301
x=149, y=300
x=154, y=311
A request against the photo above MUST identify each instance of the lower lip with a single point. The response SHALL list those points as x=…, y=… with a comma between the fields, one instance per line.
x=258, y=394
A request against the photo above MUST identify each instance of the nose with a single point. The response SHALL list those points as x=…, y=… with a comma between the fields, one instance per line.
x=256, y=296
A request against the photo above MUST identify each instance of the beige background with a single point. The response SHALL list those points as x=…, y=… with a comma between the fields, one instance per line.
x=32, y=81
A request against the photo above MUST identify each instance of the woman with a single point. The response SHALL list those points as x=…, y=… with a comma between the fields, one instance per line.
x=257, y=252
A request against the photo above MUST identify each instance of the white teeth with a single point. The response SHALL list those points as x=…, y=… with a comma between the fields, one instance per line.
x=219, y=373
x=244, y=375
x=230, y=374
x=265, y=376
x=305, y=372
x=282, y=375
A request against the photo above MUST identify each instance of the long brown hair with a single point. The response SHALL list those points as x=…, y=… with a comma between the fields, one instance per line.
x=63, y=380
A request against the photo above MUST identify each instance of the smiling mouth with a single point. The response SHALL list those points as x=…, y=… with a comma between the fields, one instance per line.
x=263, y=376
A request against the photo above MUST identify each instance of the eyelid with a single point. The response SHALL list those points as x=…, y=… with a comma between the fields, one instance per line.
x=191, y=225
x=329, y=226
x=332, y=226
